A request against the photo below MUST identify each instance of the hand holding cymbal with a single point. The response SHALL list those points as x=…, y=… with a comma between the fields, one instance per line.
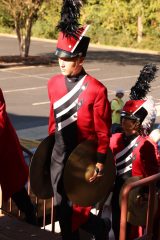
x=98, y=172
x=80, y=169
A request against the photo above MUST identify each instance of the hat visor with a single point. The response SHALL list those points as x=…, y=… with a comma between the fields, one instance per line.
x=64, y=54
x=129, y=116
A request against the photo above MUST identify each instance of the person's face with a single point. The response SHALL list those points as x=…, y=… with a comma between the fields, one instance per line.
x=70, y=66
x=119, y=95
x=129, y=126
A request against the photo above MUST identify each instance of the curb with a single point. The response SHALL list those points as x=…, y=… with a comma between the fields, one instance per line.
x=135, y=50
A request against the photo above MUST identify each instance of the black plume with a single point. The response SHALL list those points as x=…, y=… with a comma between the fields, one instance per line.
x=142, y=86
x=70, y=14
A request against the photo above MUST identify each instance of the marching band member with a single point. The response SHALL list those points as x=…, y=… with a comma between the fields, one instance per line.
x=134, y=154
x=14, y=170
x=79, y=110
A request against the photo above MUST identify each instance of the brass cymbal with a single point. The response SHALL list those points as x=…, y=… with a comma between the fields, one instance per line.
x=79, y=167
x=40, y=179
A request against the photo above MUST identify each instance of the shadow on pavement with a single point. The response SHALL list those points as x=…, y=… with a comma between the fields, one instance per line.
x=120, y=57
x=24, y=122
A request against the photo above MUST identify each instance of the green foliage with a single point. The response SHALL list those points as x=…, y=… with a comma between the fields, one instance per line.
x=48, y=20
x=6, y=21
x=113, y=22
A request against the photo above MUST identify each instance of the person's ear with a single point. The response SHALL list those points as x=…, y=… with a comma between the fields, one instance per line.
x=81, y=61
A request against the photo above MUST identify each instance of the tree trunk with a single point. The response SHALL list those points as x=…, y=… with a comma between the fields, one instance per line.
x=140, y=29
x=24, y=36
x=23, y=13
x=18, y=32
x=28, y=36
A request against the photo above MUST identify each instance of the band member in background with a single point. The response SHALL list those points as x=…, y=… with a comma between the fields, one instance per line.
x=154, y=137
x=117, y=104
x=134, y=154
x=13, y=170
x=148, y=128
x=79, y=110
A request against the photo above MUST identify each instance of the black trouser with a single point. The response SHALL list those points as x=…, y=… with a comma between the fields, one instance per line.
x=116, y=219
x=24, y=204
x=96, y=226
x=64, y=216
x=116, y=212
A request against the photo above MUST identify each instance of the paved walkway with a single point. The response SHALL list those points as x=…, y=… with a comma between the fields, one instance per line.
x=13, y=229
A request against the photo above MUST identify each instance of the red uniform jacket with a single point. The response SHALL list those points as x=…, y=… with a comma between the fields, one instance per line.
x=13, y=170
x=139, y=158
x=156, y=149
x=93, y=119
x=145, y=162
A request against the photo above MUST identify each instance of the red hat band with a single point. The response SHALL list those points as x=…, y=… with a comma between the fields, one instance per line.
x=66, y=43
x=135, y=109
x=132, y=106
x=69, y=46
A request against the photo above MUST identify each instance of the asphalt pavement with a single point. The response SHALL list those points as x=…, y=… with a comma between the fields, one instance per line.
x=25, y=87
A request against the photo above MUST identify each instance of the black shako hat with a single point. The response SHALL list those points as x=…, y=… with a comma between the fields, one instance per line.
x=72, y=41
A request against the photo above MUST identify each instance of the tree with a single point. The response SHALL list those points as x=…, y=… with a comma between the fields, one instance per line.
x=145, y=13
x=24, y=14
x=48, y=18
x=107, y=19
x=123, y=22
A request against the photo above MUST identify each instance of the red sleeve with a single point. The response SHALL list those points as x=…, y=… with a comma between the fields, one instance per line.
x=102, y=120
x=148, y=159
x=2, y=112
x=116, y=143
x=51, y=126
x=156, y=150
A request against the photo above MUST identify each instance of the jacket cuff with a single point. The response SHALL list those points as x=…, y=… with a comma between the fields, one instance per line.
x=101, y=157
